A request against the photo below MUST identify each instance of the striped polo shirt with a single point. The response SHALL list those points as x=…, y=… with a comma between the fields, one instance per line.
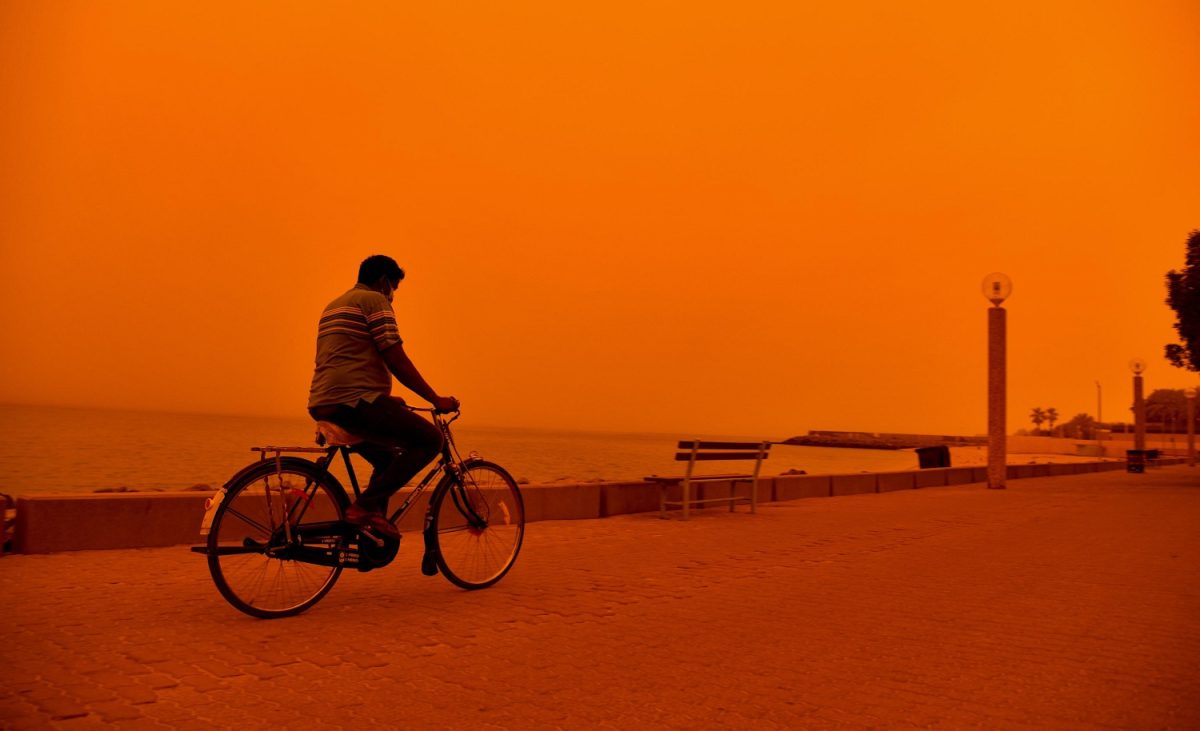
x=354, y=331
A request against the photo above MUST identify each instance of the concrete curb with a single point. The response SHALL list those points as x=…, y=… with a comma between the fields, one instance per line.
x=51, y=523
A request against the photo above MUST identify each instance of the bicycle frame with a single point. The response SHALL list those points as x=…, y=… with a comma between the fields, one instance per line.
x=448, y=463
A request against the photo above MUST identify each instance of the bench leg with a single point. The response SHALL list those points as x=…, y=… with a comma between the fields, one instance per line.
x=686, y=490
x=662, y=501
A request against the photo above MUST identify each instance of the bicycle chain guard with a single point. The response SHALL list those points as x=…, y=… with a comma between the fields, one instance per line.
x=339, y=544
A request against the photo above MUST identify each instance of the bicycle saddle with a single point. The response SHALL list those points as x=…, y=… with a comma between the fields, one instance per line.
x=330, y=434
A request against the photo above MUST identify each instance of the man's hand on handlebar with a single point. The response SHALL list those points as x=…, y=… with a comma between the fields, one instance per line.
x=445, y=404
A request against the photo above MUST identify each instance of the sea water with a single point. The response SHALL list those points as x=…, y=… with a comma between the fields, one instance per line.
x=47, y=449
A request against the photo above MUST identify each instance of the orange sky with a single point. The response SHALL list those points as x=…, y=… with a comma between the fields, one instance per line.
x=756, y=218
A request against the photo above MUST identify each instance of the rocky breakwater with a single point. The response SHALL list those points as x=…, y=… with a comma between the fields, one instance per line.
x=871, y=440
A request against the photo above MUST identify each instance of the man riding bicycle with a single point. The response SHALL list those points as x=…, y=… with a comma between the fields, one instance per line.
x=358, y=351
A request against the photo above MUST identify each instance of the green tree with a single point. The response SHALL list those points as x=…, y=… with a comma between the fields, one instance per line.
x=1183, y=296
x=1167, y=406
x=1081, y=426
x=1037, y=416
x=1051, y=417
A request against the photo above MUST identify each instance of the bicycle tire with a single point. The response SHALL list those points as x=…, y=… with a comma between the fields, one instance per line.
x=474, y=557
x=247, y=524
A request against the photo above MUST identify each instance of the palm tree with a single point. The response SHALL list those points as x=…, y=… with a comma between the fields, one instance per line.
x=1052, y=416
x=1038, y=416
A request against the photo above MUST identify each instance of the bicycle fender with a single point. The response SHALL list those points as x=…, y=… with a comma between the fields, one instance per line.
x=429, y=559
x=472, y=461
x=210, y=510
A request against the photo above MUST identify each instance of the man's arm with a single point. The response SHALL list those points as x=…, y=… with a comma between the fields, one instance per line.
x=406, y=372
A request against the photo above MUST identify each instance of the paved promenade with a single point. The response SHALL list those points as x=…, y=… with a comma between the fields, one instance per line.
x=1063, y=602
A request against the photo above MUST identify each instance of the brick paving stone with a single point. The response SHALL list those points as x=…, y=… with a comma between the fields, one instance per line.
x=156, y=681
x=88, y=666
x=263, y=671
x=174, y=669
x=114, y=711
x=55, y=703
x=276, y=659
x=145, y=724
x=1065, y=602
x=82, y=723
x=171, y=713
x=219, y=668
x=136, y=695
x=149, y=654
x=14, y=708
x=202, y=682
x=367, y=660
x=322, y=659
x=59, y=706
x=126, y=666
x=85, y=693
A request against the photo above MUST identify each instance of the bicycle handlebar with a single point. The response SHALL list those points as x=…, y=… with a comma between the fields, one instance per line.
x=435, y=412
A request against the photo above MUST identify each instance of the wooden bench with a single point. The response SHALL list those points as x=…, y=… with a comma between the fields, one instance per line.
x=693, y=451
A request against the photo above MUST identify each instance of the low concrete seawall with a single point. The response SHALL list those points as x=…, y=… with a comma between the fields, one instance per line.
x=51, y=523
x=131, y=520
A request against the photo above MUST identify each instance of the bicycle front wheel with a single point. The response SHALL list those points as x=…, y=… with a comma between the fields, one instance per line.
x=478, y=523
x=256, y=561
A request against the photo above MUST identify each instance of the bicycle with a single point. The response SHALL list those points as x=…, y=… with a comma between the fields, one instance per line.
x=277, y=540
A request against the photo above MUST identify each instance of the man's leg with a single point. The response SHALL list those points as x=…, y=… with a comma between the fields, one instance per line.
x=387, y=426
x=380, y=458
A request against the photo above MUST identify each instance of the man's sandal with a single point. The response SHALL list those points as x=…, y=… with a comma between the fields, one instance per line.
x=363, y=518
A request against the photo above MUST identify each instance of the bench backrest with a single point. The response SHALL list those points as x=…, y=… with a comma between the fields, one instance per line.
x=695, y=450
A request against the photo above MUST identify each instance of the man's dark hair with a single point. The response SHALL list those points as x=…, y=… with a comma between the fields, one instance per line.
x=374, y=267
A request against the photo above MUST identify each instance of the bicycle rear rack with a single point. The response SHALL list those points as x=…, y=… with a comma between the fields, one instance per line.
x=276, y=453
x=264, y=451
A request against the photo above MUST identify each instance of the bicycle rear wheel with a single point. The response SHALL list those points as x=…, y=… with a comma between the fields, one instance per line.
x=478, y=523
x=251, y=561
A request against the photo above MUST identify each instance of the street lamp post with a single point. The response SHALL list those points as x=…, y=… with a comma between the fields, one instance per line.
x=1137, y=365
x=1099, y=419
x=997, y=288
x=1191, y=425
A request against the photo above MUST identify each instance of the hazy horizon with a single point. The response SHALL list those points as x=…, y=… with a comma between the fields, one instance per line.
x=301, y=415
x=623, y=218
x=680, y=433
